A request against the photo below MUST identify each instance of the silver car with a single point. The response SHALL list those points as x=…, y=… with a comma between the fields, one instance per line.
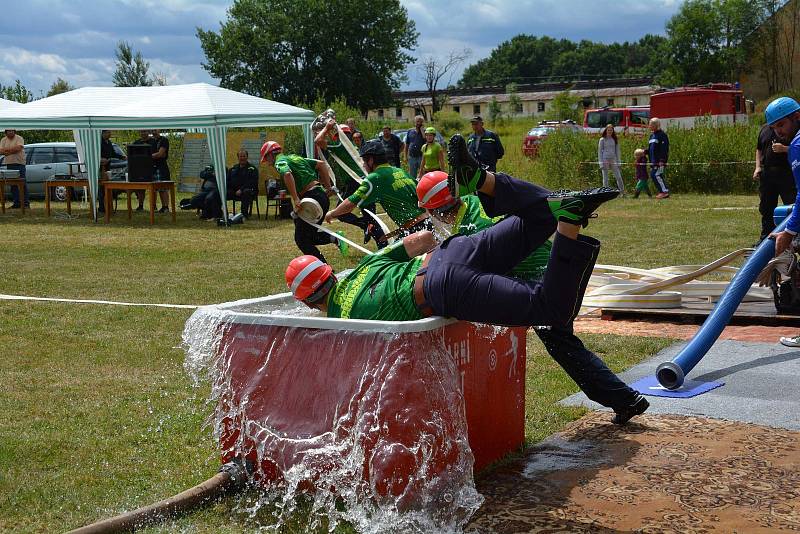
x=44, y=160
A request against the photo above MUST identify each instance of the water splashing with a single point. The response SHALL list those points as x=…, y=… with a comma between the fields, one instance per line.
x=367, y=427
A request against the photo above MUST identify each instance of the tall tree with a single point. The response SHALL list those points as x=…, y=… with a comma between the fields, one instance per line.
x=132, y=69
x=433, y=70
x=16, y=92
x=531, y=59
x=297, y=50
x=59, y=86
x=706, y=39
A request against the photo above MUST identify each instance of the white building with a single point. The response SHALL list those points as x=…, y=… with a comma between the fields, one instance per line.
x=534, y=100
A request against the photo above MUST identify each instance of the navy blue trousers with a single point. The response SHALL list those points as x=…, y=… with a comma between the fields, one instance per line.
x=466, y=278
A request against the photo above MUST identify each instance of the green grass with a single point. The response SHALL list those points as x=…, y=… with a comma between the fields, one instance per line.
x=99, y=417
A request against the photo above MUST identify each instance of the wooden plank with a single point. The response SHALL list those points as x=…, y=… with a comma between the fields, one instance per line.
x=748, y=313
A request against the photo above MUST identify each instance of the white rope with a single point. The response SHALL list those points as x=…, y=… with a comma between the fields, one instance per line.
x=89, y=301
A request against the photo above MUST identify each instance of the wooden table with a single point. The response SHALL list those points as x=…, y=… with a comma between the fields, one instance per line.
x=69, y=183
x=150, y=187
x=20, y=183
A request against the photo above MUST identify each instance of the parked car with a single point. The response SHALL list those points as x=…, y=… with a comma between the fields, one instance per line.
x=537, y=134
x=631, y=119
x=44, y=160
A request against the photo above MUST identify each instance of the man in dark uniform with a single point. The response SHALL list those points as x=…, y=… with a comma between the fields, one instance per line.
x=243, y=182
x=774, y=177
x=484, y=145
x=107, y=153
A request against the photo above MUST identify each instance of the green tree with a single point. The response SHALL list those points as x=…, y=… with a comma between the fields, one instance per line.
x=530, y=59
x=495, y=110
x=298, y=50
x=706, y=39
x=59, y=86
x=132, y=69
x=16, y=92
x=565, y=107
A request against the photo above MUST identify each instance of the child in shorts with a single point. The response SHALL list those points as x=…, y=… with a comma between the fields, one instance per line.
x=640, y=164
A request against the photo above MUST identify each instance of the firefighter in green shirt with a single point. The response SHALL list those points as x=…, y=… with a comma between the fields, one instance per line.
x=347, y=168
x=304, y=178
x=391, y=186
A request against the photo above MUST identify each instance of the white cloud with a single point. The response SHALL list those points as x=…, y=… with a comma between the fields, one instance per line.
x=24, y=60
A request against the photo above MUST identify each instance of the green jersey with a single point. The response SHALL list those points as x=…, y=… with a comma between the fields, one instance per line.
x=337, y=149
x=471, y=219
x=381, y=288
x=303, y=170
x=394, y=189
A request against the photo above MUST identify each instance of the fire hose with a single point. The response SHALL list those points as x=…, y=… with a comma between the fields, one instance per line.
x=230, y=478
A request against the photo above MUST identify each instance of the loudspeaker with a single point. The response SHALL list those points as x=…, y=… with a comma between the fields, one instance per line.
x=140, y=162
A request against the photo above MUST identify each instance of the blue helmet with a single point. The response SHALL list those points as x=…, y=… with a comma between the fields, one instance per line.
x=780, y=108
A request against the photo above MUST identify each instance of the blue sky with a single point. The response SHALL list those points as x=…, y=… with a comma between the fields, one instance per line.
x=76, y=39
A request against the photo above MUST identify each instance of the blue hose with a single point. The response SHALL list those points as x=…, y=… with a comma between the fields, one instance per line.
x=671, y=374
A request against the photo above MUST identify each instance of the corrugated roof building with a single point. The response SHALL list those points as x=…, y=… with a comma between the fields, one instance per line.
x=534, y=100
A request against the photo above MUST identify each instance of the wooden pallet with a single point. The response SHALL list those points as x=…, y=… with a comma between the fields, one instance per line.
x=748, y=313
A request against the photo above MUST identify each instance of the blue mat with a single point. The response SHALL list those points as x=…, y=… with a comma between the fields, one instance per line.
x=690, y=388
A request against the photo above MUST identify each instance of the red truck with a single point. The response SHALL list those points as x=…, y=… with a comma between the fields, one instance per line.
x=721, y=103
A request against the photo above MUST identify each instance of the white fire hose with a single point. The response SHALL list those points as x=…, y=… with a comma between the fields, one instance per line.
x=614, y=286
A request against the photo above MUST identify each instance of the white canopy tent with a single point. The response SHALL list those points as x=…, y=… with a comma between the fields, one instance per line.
x=8, y=104
x=210, y=109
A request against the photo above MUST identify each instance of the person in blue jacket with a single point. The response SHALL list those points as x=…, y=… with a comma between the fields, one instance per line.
x=659, y=154
x=484, y=145
x=783, y=116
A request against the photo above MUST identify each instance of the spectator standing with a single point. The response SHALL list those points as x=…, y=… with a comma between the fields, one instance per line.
x=160, y=166
x=12, y=146
x=107, y=153
x=415, y=138
x=774, y=177
x=392, y=145
x=659, y=154
x=144, y=139
x=358, y=139
x=351, y=123
x=243, y=182
x=432, y=154
x=484, y=145
x=608, y=156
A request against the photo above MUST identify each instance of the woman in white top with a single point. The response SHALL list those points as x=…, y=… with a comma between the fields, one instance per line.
x=608, y=156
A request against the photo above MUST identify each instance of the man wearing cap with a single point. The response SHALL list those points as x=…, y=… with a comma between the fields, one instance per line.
x=12, y=146
x=304, y=178
x=465, y=216
x=484, y=145
x=391, y=186
x=415, y=138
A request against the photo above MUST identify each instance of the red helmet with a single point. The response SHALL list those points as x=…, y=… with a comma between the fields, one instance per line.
x=305, y=275
x=268, y=148
x=432, y=190
x=345, y=128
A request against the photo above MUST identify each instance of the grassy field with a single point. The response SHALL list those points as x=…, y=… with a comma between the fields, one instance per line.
x=98, y=416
